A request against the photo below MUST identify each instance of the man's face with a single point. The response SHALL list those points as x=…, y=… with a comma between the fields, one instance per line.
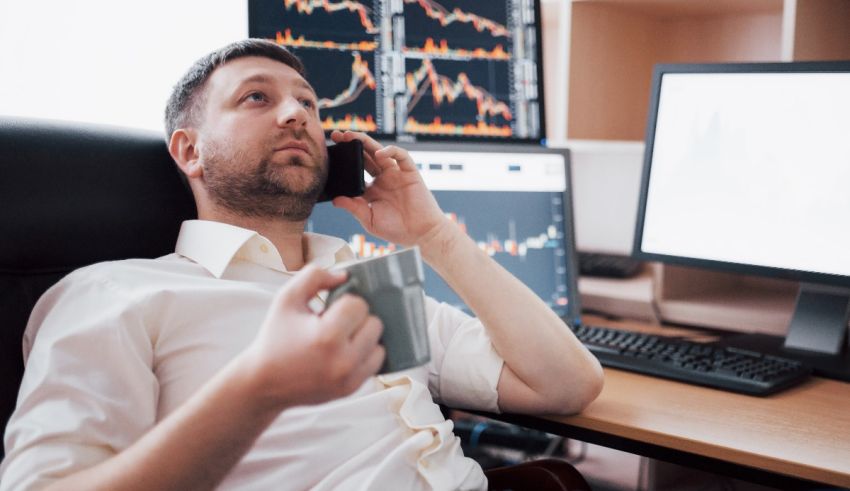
x=261, y=141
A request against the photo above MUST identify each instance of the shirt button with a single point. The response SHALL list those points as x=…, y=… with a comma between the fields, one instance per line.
x=264, y=248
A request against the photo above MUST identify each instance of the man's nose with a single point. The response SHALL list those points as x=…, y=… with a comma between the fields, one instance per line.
x=292, y=113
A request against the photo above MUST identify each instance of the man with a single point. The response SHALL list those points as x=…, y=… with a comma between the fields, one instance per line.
x=197, y=370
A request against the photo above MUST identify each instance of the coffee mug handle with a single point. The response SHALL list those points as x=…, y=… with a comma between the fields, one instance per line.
x=350, y=286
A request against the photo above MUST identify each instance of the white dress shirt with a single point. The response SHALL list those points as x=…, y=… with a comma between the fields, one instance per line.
x=113, y=348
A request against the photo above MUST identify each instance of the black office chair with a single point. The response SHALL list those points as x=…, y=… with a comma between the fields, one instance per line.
x=75, y=194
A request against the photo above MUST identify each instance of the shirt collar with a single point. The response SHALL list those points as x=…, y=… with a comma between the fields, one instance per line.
x=214, y=245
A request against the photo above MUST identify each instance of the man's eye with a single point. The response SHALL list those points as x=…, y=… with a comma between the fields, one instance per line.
x=308, y=103
x=256, y=97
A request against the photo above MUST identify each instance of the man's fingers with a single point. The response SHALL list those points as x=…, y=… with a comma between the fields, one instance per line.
x=383, y=161
x=307, y=283
x=368, y=161
x=365, y=368
x=372, y=163
x=346, y=314
x=369, y=354
x=365, y=347
x=358, y=207
x=370, y=145
x=364, y=339
x=371, y=364
x=397, y=155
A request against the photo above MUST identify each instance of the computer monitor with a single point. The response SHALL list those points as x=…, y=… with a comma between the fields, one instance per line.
x=747, y=169
x=417, y=69
x=514, y=203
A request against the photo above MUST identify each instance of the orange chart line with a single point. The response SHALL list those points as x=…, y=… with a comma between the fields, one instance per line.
x=286, y=39
x=437, y=127
x=350, y=122
x=361, y=78
x=432, y=48
x=443, y=87
x=436, y=11
x=308, y=6
x=492, y=246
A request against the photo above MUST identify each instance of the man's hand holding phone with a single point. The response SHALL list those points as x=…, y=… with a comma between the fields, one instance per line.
x=397, y=206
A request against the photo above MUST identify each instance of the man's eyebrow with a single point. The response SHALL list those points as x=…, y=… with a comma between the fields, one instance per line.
x=264, y=79
x=254, y=79
x=303, y=83
x=257, y=78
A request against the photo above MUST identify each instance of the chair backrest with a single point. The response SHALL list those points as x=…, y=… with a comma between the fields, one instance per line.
x=71, y=195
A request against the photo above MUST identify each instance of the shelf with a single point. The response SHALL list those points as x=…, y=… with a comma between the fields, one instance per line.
x=745, y=311
x=821, y=30
x=630, y=298
x=599, y=56
x=724, y=300
x=677, y=9
x=614, y=45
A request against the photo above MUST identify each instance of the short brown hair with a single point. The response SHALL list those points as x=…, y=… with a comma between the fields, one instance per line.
x=185, y=103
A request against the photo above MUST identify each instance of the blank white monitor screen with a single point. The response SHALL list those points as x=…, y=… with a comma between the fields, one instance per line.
x=753, y=169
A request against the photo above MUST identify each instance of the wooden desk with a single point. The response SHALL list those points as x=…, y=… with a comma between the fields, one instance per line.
x=803, y=432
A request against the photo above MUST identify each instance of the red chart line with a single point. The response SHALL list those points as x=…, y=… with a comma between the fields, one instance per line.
x=444, y=88
x=445, y=17
x=308, y=6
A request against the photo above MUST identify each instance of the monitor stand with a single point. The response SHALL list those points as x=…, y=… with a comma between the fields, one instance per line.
x=817, y=335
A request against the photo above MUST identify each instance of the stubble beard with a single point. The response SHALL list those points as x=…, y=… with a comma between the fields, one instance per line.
x=263, y=191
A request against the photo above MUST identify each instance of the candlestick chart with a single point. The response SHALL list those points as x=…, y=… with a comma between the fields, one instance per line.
x=454, y=103
x=460, y=68
x=337, y=42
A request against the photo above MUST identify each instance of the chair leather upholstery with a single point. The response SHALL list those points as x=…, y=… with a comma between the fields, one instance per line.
x=74, y=194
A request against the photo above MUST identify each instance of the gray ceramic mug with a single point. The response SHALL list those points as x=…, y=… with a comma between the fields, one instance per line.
x=392, y=286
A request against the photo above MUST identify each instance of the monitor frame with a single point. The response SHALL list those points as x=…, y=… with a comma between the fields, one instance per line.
x=658, y=72
x=399, y=136
x=817, y=334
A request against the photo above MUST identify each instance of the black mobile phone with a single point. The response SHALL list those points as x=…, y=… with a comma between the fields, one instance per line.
x=345, y=171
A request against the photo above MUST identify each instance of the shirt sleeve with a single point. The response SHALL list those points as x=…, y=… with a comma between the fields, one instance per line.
x=464, y=370
x=88, y=390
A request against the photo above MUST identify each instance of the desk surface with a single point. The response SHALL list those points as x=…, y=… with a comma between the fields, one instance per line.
x=802, y=432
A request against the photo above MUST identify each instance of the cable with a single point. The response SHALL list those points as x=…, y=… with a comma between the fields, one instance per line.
x=475, y=434
x=581, y=454
x=643, y=469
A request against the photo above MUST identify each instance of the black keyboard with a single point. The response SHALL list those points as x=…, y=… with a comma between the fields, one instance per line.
x=715, y=366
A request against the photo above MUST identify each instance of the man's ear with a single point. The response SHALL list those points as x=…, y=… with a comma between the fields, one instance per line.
x=183, y=149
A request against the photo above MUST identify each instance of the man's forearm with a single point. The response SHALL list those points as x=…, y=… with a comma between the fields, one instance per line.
x=194, y=447
x=530, y=337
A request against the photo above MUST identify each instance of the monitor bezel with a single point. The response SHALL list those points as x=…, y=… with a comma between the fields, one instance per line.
x=408, y=138
x=657, y=78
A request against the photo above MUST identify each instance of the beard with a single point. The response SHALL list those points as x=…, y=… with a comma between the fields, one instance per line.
x=264, y=188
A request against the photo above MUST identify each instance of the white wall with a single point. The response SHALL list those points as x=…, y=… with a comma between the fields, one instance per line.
x=106, y=61
x=555, y=16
